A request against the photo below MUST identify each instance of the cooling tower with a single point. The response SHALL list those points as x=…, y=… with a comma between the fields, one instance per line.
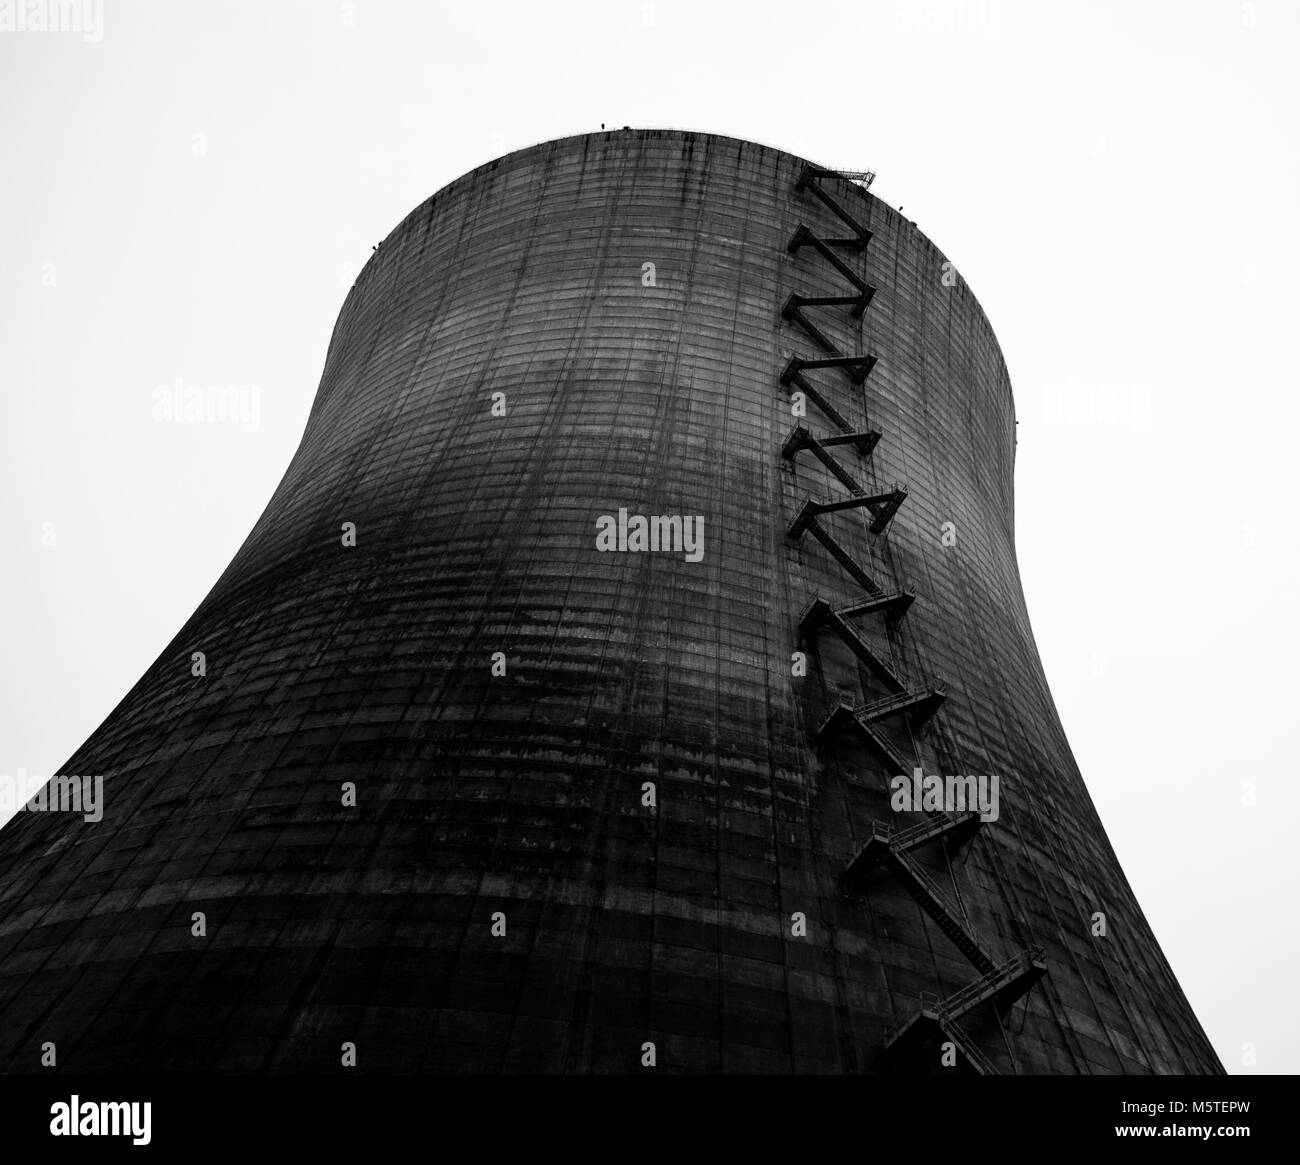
x=630, y=674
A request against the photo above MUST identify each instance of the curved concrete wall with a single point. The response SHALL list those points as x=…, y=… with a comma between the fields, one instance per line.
x=522, y=794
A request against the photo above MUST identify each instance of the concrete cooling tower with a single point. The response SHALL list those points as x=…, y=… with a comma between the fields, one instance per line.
x=630, y=673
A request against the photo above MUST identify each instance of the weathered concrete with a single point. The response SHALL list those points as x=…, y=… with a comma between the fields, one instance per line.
x=522, y=793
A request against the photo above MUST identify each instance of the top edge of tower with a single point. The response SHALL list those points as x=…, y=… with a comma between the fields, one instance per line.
x=627, y=134
x=615, y=138
x=622, y=136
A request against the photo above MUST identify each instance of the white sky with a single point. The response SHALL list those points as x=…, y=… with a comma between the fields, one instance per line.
x=1118, y=185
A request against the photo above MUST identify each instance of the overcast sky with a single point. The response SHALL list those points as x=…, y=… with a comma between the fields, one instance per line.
x=189, y=189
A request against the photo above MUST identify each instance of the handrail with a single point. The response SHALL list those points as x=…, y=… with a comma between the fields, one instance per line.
x=888, y=703
x=915, y=834
x=955, y=1004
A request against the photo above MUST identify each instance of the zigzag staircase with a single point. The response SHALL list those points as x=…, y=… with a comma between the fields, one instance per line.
x=998, y=983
